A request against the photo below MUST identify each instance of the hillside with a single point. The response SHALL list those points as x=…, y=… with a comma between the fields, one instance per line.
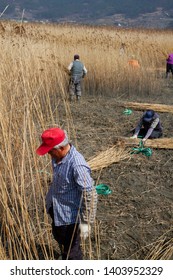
x=128, y=13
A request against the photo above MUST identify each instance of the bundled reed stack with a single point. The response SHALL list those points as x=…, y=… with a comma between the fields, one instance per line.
x=112, y=155
x=162, y=249
x=160, y=143
x=145, y=106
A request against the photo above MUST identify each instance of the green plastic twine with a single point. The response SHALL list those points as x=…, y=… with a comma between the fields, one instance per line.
x=127, y=112
x=103, y=189
x=146, y=151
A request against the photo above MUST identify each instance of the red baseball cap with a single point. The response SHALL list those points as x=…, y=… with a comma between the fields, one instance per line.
x=50, y=138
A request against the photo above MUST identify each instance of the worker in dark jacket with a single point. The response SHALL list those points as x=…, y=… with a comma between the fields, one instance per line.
x=169, y=65
x=77, y=71
x=149, y=126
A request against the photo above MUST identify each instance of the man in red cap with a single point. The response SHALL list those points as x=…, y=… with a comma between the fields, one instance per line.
x=72, y=199
x=77, y=71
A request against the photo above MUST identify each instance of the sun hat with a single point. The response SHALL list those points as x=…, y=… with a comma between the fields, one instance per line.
x=51, y=138
x=148, y=115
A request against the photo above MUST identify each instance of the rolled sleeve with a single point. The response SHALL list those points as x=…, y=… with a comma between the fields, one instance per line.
x=155, y=123
x=70, y=66
x=89, y=195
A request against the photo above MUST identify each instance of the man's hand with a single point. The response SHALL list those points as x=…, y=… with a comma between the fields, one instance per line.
x=134, y=136
x=143, y=140
x=85, y=230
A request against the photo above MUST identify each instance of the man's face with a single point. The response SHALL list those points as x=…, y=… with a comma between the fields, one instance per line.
x=56, y=153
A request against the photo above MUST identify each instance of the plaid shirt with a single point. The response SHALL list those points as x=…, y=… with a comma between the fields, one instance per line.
x=71, y=193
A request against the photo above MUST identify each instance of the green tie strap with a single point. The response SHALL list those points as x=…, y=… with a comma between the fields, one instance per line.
x=127, y=112
x=146, y=151
x=103, y=189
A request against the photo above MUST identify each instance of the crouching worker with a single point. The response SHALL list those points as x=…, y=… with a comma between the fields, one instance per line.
x=169, y=65
x=72, y=199
x=149, y=126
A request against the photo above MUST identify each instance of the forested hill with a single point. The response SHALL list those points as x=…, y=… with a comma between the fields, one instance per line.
x=89, y=11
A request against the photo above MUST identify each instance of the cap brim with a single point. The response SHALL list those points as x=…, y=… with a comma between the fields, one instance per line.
x=147, y=119
x=43, y=149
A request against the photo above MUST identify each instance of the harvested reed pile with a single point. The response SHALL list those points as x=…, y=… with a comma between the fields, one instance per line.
x=162, y=249
x=145, y=106
x=108, y=157
x=2, y=252
x=160, y=143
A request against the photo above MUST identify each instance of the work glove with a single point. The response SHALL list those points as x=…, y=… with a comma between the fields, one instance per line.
x=143, y=140
x=85, y=230
x=134, y=136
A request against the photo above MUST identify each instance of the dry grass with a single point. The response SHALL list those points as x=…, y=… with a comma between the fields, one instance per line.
x=108, y=157
x=160, y=143
x=145, y=106
x=162, y=249
x=33, y=86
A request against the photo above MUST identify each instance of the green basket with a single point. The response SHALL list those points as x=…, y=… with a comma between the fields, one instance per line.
x=103, y=189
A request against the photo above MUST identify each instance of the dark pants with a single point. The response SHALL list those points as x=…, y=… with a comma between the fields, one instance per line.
x=155, y=134
x=68, y=238
x=169, y=68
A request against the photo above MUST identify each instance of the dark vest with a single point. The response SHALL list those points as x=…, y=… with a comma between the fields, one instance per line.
x=77, y=69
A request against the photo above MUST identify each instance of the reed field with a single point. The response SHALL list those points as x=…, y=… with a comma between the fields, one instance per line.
x=136, y=220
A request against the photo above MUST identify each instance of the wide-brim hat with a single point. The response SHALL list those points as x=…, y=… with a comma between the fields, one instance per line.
x=147, y=119
x=50, y=138
x=148, y=115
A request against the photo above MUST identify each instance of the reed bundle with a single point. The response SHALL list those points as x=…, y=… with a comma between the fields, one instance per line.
x=162, y=249
x=109, y=156
x=146, y=106
x=160, y=143
x=2, y=252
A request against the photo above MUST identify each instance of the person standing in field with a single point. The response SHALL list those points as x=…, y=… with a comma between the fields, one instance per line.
x=149, y=126
x=77, y=71
x=72, y=198
x=133, y=63
x=169, y=65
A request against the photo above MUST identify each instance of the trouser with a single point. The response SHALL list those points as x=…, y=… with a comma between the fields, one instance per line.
x=154, y=134
x=68, y=238
x=75, y=89
x=169, y=68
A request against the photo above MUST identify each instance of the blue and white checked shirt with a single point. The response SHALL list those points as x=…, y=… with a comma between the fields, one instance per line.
x=71, y=183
